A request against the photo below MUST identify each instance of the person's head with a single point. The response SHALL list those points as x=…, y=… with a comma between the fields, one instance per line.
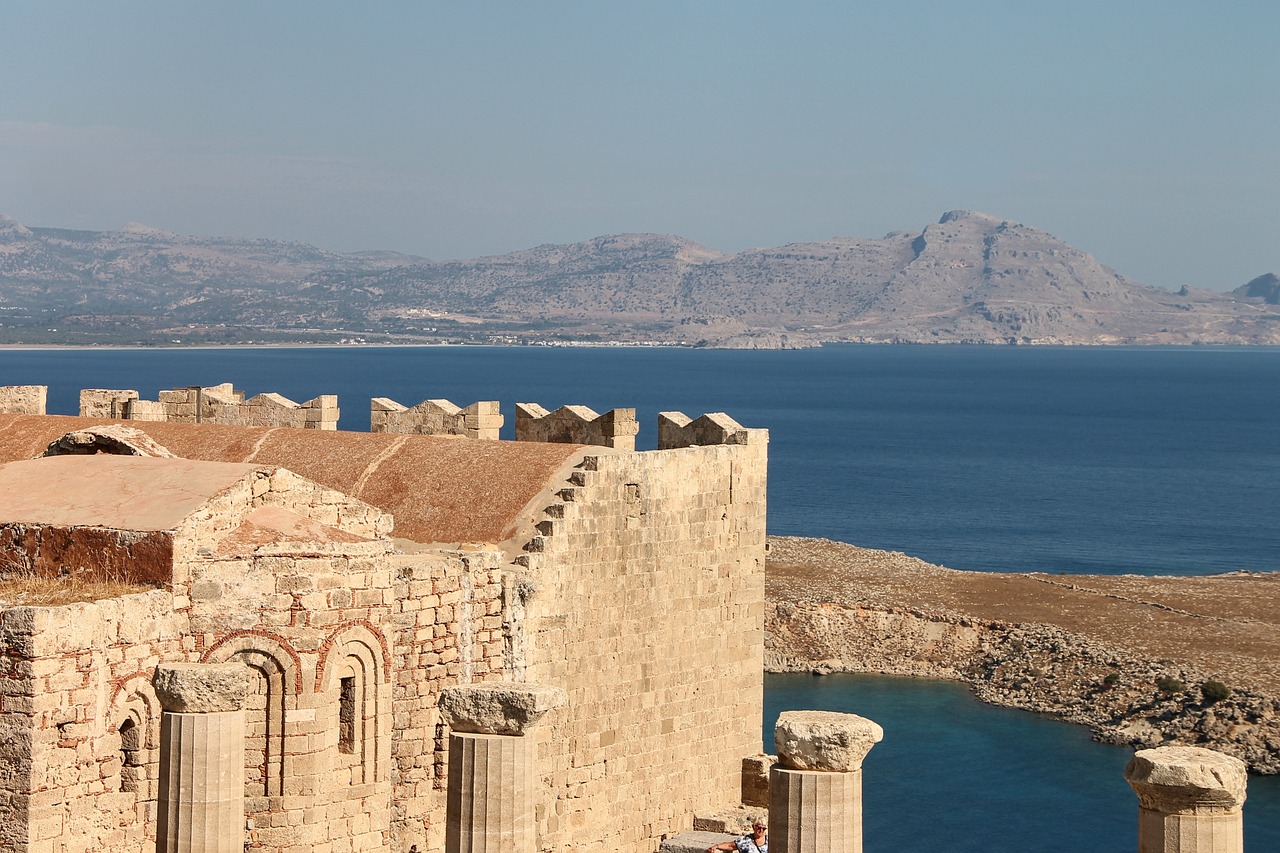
x=760, y=827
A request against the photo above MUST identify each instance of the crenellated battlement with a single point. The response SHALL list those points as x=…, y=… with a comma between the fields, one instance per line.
x=616, y=428
x=224, y=404
x=480, y=420
x=214, y=404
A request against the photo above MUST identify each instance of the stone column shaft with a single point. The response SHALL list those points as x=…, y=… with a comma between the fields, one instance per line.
x=201, y=798
x=815, y=810
x=490, y=808
x=490, y=802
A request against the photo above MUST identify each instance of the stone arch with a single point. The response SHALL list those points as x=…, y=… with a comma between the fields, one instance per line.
x=135, y=722
x=277, y=678
x=352, y=676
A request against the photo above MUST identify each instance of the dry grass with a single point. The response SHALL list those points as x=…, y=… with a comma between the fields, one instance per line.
x=25, y=589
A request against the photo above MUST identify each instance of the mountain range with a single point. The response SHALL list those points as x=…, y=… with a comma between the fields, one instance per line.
x=968, y=278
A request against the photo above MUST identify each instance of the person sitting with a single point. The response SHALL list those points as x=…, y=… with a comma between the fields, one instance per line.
x=756, y=841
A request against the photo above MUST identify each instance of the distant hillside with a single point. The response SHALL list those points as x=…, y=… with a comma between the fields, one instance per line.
x=967, y=278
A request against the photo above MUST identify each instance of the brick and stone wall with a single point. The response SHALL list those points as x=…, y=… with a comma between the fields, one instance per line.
x=80, y=722
x=643, y=599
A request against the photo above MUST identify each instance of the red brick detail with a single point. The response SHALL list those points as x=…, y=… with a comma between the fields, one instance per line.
x=329, y=642
x=284, y=645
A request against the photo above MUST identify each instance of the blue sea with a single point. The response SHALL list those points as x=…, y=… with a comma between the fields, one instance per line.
x=1141, y=460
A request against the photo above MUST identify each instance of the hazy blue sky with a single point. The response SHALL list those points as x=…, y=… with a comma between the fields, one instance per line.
x=1146, y=133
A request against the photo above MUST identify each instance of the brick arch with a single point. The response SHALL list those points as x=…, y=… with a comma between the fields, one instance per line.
x=134, y=715
x=277, y=682
x=360, y=631
x=353, y=670
x=272, y=645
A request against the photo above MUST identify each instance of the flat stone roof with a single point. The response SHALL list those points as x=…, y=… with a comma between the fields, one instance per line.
x=121, y=492
x=440, y=489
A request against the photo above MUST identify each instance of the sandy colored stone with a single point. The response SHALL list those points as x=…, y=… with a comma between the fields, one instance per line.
x=1186, y=779
x=201, y=688
x=498, y=708
x=824, y=740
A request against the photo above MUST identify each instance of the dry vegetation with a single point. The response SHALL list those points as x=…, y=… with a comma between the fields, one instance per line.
x=26, y=589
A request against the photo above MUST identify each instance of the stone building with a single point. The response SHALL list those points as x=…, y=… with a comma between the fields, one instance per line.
x=354, y=576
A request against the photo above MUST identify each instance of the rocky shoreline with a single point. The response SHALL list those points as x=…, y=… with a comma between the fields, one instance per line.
x=1066, y=647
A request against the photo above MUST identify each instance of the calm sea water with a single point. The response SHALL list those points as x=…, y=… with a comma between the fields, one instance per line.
x=1066, y=460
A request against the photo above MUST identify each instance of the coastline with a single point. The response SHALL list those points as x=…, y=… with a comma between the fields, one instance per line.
x=1127, y=656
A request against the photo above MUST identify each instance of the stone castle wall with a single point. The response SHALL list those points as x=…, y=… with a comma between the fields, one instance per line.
x=643, y=599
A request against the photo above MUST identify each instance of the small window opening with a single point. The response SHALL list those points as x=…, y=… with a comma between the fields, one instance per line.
x=347, y=715
x=130, y=744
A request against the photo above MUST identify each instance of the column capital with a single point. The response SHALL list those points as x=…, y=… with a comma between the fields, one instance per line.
x=498, y=707
x=1187, y=780
x=201, y=688
x=824, y=740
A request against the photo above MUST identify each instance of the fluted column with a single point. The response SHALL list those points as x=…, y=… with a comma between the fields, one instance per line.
x=815, y=789
x=201, y=797
x=1190, y=800
x=490, y=801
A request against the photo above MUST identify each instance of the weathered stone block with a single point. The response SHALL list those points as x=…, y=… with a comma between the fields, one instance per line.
x=824, y=740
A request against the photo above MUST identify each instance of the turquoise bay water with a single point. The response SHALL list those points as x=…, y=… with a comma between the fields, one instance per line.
x=953, y=774
x=1081, y=460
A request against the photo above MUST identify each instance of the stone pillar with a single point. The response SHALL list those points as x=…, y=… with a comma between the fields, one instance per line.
x=815, y=789
x=490, y=804
x=1189, y=800
x=201, y=797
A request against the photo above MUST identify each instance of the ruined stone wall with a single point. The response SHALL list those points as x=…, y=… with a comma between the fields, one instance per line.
x=79, y=723
x=644, y=600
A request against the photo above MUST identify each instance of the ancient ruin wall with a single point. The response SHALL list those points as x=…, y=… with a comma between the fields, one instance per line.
x=616, y=428
x=80, y=722
x=644, y=600
x=216, y=404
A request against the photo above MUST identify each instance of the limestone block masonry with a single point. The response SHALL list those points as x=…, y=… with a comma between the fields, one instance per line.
x=23, y=399
x=215, y=404
x=480, y=420
x=616, y=428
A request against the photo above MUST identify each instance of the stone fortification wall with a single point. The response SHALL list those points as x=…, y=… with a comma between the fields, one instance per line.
x=436, y=417
x=616, y=428
x=23, y=399
x=643, y=599
x=676, y=429
x=216, y=404
x=79, y=722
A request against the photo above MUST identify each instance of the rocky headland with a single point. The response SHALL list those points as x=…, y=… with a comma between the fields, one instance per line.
x=1143, y=661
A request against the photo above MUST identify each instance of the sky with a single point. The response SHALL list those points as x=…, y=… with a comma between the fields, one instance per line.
x=1145, y=133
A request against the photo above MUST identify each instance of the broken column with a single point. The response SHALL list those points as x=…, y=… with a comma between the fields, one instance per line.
x=1189, y=798
x=201, y=797
x=490, y=804
x=815, y=789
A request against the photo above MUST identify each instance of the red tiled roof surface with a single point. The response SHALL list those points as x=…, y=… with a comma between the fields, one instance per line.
x=440, y=489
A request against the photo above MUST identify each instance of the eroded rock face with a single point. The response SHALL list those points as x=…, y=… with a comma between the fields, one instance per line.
x=824, y=740
x=120, y=440
x=499, y=708
x=201, y=688
x=1186, y=779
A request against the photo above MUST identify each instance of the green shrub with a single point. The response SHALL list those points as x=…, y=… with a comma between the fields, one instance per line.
x=1112, y=679
x=1214, y=691
x=1169, y=684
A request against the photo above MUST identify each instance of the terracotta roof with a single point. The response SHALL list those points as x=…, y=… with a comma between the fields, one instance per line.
x=440, y=489
x=120, y=492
